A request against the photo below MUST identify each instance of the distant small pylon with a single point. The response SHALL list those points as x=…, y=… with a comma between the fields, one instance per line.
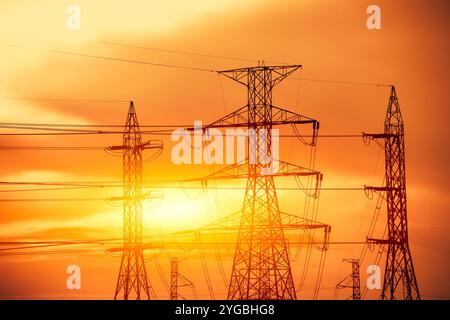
x=352, y=281
x=177, y=281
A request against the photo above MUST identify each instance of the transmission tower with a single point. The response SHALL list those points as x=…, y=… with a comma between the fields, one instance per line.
x=399, y=277
x=132, y=280
x=174, y=279
x=177, y=281
x=261, y=267
x=352, y=281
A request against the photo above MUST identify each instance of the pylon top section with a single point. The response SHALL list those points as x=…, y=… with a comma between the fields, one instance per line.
x=277, y=73
x=132, y=124
x=393, y=115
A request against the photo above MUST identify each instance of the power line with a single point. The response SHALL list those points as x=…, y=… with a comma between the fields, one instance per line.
x=178, y=52
x=20, y=245
x=147, y=132
x=155, y=64
x=51, y=134
x=240, y=59
x=52, y=199
x=66, y=100
x=21, y=124
x=42, y=189
x=104, y=184
x=157, y=134
x=155, y=187
x=186, y=67
x=63, y=127
x=166, y=132
x=56, y=129
x=43, y=244
x=344, y=82
x=38, y=148
x=53, y=252
x=55, y=183
x=145, y=240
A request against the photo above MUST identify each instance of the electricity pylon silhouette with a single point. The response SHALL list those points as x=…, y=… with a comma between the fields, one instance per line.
x=132, y=280
x=177, y=281
x=352, y=281
x=173, y=279
x=261, y=266
x=399, y=277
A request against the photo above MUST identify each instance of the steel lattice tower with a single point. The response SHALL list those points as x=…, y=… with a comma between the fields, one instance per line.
x=399, y=277
x=177, y=281
x=353, y=281
x=356, y=293
x=132, y=280
x=261, y=267
x=173, y=279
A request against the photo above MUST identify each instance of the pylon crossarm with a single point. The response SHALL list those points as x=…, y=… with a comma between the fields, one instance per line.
x=381, y=191
x=289, y=219
x=230, y=221
x=288, y=169
x=150, y=144
x=382, y=244
x=283, y=116
x=240, y=75
x=345, y=283
x=293, y=222
x=283, y=72
x=240, y=171
x=377, y=137
x=378, y=241
x=233, y=171
x=240, y=119
x=374, y=136
x=289, y=222
x=185, y=281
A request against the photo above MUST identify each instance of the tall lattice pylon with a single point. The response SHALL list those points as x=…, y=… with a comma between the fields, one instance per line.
x=261, y=267
x=399, y=277
x=132, y=280
x=352, y=281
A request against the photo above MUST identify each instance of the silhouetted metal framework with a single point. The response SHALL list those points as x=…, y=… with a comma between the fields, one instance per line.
x=352, y=281
x=132, y=280
x=261, y=267
x=177, y=281
x=174, y=279
x=399, y=277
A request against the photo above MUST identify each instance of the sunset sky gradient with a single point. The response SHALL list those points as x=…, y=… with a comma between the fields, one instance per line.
x=329, y=38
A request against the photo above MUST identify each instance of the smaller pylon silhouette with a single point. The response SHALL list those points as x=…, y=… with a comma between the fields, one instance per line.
x=352, y=281
x=174, y=279
x=177, y=281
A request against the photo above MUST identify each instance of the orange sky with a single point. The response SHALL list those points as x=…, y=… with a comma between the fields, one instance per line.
x=331, y=41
